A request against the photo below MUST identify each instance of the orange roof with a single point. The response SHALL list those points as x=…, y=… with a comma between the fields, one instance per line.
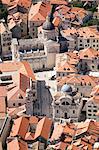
x=85, y=32
x=33, y=120
x=67, y=67
x=17, y=144
x=3, y=91
x=3, y=108
x=24, y=82
x=78, y=79
x=59, y=2
x=14, y=111
x=58, y=130
x=57, y=21
x=95, y=99
x=39, y=11
x=14, y=93
x=73, y=147
x=43, y=128
x=90, y=127
x=27, y=70
x=20, y=127
x=68, y=130
x=22, y=67
x=95, y=90
x=29, y=136
x=23, y=3
x=61, y=146
x=88, y=53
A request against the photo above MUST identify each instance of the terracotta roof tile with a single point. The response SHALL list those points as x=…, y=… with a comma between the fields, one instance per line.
x=39, y=11
x=61, y=146
x=17, y=144
x=3, y=91
x=3, y=109
x=33, y=120
x=88, y=53
x=14, y=111
x=22, y=67
x=58, y=130
x=29, y=136
x=67, y=67
x=20, y=127
x=43, y=128
x=59, y=2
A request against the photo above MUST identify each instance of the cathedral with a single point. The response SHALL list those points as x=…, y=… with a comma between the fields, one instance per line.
x=41, y=52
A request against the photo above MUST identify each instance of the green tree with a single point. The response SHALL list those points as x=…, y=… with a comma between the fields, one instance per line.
x=3, y=12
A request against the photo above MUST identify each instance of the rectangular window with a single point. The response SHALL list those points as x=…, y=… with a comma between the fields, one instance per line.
x=87, y=40
x=95, y=110
x=73, y=111
x=80, y=44
x=89, y=110
x=80, y=40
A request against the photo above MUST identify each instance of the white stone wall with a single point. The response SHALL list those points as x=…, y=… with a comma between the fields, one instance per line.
x=91, y=110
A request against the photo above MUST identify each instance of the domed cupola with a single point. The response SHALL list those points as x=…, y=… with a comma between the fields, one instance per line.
x=49, y=29
x=66, y=88
x=48, y=25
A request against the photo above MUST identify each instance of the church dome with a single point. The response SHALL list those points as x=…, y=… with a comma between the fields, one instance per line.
x=66, y=88
x=48, y=25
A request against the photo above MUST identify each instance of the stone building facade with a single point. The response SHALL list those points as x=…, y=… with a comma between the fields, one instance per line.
x=82, y=38
x=40, y=52
x=67, y=105
x=5, y=41
x=41, y=105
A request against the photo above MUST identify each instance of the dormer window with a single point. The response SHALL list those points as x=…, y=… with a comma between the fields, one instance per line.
x=63, y=103
x=68, y=68
x=20, y=96
x=86, y=56
x=89, y=84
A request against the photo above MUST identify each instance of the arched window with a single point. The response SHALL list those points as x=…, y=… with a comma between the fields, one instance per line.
x=63, y=103
x=67, y=103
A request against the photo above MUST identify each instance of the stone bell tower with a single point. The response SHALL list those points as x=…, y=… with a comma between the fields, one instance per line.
x=30, y=98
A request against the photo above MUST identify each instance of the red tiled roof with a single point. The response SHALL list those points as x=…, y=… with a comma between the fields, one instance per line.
x=3, y=91
x=59, y=2
x=39, y=11
x=29, y=136
x=3, y=109
x=17, y=144
x=14, y=93
x=58, y=130
x=14, y=111
x=20, y=127
x=33, y=120
x=88, y=53
x=43, y=128
x=22, y=67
